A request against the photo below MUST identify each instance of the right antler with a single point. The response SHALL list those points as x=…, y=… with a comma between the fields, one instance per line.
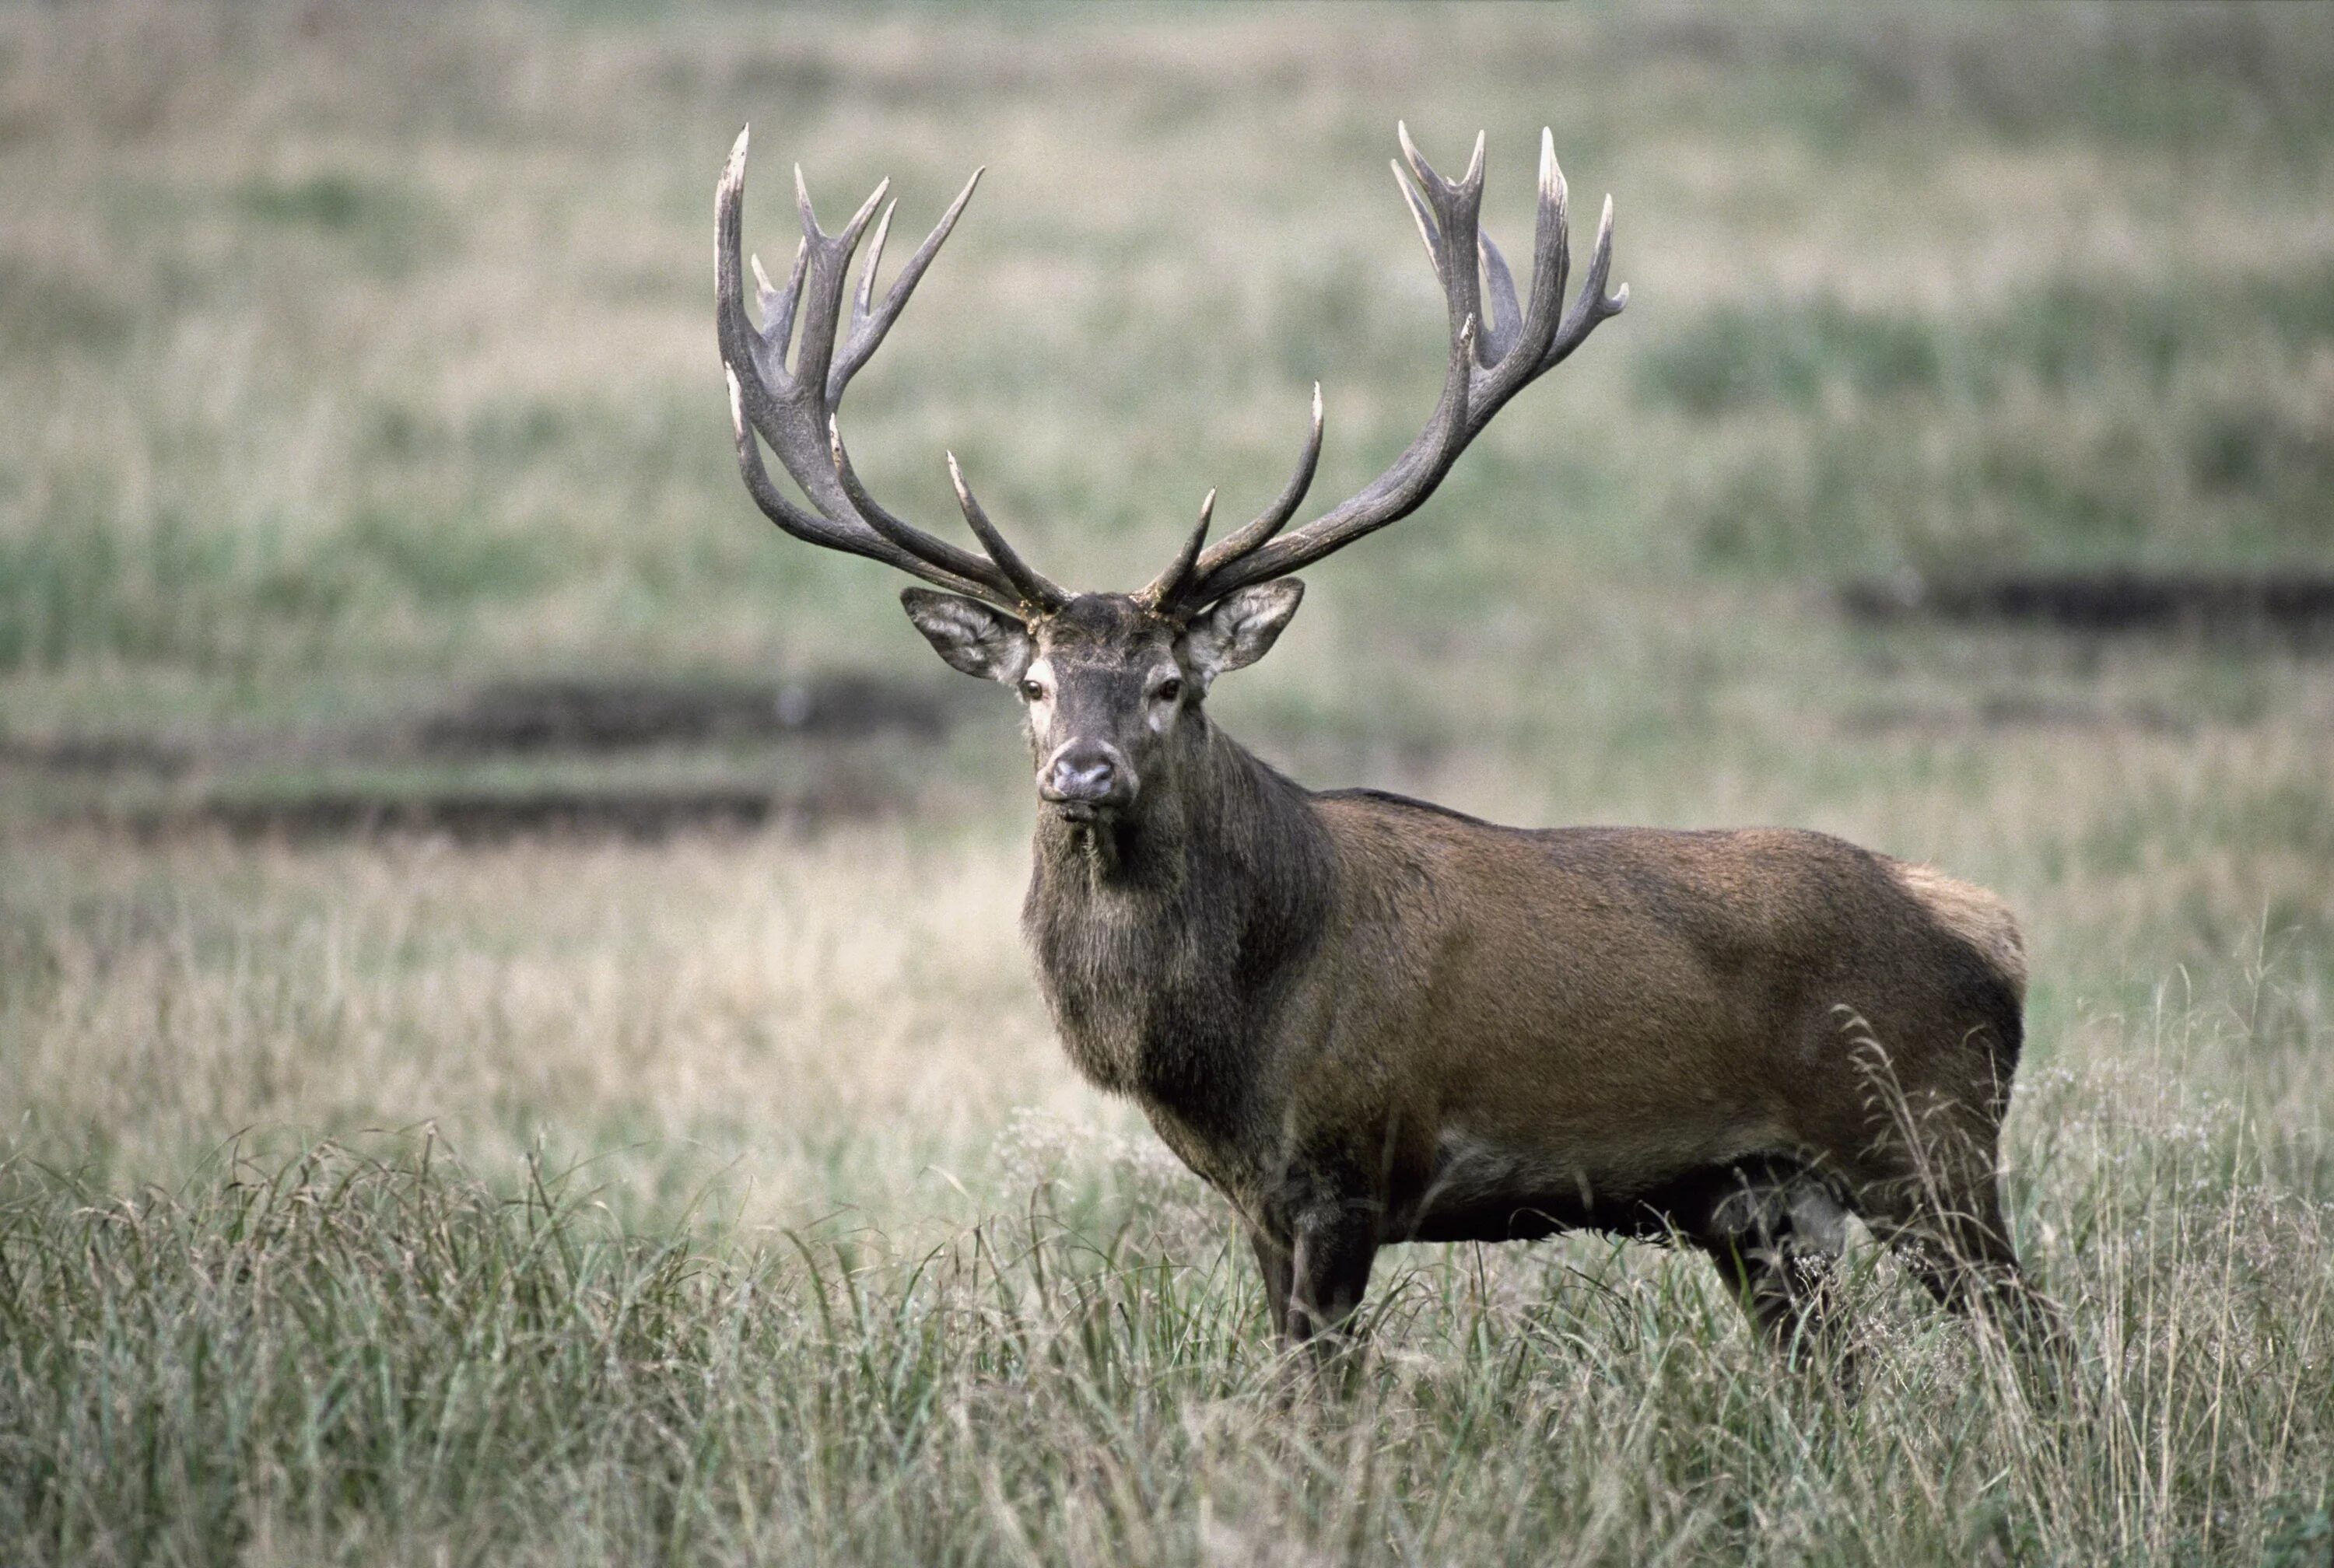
x=795, y=410
x=1493, y=356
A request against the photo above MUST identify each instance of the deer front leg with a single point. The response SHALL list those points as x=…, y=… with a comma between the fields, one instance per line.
x=1272, y=1261
x=1331, y=1248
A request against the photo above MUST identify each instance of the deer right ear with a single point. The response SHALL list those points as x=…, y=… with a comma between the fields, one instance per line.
x=975, y=637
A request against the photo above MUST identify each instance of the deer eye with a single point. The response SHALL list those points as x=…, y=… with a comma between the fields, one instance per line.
x=1034, y=690
x=1168, y=690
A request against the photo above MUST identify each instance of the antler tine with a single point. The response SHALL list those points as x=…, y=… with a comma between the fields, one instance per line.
x=1234, y=545
x=1427, y=234
x=1591, y=304
x=858, y=224
x=793, y=410
x=867, y=332
x=802, y=204
x=812, y=528
x=822, y=291
x=1519, y=352
x=1456, y=208
x=903, y=533
x=1494, y=354
x=1552, y=230
x=867, y=274
x=777, y=306
x=1034, y=588
x=1166, y=588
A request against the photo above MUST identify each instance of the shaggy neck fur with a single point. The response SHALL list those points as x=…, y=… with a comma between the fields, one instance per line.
x=1165, y=941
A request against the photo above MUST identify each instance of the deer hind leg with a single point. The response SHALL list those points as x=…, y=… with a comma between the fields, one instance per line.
x=1776, y=1231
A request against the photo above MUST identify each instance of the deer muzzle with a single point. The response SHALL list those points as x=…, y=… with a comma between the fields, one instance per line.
x=1086, y=781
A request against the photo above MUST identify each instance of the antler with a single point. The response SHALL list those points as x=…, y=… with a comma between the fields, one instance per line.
x=1494, y=354
x=795, y=410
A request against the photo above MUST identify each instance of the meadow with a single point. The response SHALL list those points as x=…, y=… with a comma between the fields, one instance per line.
x=723, y=1197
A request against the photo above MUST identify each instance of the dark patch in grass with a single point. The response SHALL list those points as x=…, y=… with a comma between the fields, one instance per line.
x=333, y=202
x=45, y=311
x=328, y=201
x=613, y=715
x=645, y=817
x=100, y=754
x=537, y=719
x=2108, y=603
x=2256, y=447
x=524, y=432
x=387, y=225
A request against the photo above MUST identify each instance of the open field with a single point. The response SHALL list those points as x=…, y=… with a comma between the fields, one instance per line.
x=723, y=1196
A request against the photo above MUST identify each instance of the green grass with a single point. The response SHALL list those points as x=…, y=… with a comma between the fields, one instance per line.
x=1926, y=437
x=332, y=380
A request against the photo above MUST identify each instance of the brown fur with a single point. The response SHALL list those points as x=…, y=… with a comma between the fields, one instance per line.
x=1973, y=915
x=1366, y=1019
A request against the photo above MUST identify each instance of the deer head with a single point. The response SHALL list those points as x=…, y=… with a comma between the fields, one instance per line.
x=1115, y=683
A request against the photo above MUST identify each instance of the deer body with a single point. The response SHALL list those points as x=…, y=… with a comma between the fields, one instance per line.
x=1374, y=1019
x=1366, y=1019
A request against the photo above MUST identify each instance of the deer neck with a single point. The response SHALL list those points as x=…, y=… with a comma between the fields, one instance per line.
x=1163, y=943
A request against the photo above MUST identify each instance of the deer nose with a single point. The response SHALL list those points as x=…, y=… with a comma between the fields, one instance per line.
x=1085, y=776
x=1085, y=779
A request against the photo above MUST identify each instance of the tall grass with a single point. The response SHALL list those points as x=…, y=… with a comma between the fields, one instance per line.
x=375, y=1356
x=756, y=1220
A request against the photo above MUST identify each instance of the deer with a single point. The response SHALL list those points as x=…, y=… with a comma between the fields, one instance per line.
x=1365, y=1019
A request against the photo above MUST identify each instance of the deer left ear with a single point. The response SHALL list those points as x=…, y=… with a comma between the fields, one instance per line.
x=1239, y=629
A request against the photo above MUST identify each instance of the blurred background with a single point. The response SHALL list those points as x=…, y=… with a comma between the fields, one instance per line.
x=406, y=718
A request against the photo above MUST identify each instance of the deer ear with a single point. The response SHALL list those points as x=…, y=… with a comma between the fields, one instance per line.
x=973, y=637
x=1239, y=629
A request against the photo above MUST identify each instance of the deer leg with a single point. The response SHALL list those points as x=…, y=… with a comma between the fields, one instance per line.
x=1776, y=1238
x=1333, y=1247
x=1273, y=1261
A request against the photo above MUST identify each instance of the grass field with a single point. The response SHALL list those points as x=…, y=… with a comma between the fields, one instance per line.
x=389, y=1200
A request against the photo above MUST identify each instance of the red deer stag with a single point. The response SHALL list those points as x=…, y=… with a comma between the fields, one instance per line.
x=1365, y=1019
